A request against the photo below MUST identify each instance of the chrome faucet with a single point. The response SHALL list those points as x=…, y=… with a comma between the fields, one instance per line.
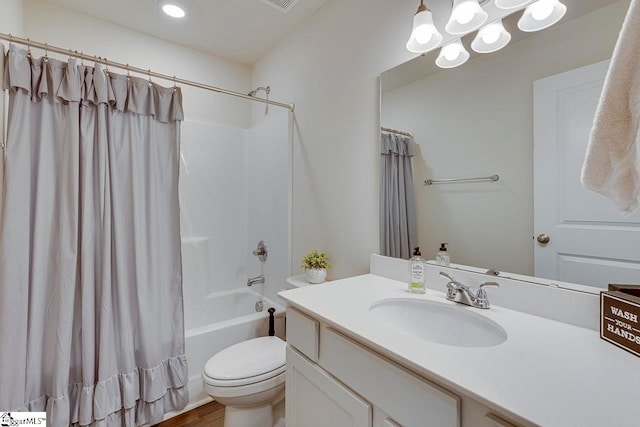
x=463, y=294
x=255, y=280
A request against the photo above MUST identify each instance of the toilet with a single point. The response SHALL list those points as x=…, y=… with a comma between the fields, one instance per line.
x=248, y=378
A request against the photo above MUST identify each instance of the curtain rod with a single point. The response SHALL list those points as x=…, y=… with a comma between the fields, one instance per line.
x=397, y=132
x=75, y=54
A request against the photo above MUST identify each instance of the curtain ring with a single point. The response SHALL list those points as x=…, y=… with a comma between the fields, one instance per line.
x=10, y=40
x=175, y=87
x=149, y=74
x=29, y=48
x=106, y=65
x=46, y=52
x=128, y=73
x=81, y=58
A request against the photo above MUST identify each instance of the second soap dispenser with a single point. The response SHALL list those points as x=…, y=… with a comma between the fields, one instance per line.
x=442, y=257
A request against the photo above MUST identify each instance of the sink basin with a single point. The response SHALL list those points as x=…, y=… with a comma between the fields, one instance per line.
x=438, y=322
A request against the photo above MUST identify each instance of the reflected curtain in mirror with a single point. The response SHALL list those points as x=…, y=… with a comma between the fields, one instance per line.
x=90, y=262
x=2, y=127
x=398, y=233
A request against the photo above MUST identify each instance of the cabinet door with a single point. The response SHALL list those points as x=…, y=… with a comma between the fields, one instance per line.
x=314, y=399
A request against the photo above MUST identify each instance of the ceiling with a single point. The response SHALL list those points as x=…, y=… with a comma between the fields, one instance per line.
x=239, y=30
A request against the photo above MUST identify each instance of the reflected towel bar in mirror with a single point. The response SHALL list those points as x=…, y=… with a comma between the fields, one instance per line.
x=447, y=181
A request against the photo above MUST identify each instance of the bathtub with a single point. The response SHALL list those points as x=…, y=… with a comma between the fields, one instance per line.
x=226, y=318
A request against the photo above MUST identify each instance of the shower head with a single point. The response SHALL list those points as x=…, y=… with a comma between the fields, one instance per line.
x=267, y=90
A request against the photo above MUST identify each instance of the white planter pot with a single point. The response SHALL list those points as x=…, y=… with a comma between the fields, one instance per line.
x=316, y=275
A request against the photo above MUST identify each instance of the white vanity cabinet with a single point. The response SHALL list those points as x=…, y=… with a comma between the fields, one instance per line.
x=332, y=380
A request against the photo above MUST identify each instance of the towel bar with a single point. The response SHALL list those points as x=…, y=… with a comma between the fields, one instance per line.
x=447, y=181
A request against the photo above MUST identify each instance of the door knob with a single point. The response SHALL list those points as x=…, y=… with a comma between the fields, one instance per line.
x=543, y=239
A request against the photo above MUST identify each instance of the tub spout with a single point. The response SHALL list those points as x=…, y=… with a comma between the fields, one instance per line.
x=255, y=280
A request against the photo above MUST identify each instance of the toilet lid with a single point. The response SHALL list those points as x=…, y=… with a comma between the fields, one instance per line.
x=247, y=359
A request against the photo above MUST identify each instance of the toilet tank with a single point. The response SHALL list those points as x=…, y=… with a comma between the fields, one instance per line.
x=294, y=282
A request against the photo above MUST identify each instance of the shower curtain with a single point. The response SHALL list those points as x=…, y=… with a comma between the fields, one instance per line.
x=398, y=235
x=91, y=317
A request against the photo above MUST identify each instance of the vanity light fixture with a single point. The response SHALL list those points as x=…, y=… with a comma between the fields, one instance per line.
x=424, y=36
x=541, y=14
x=466, y=16
x=173, y=8
x=452, y=55
x=491, y=38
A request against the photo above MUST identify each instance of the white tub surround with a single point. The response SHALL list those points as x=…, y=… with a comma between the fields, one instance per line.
x=546, y=373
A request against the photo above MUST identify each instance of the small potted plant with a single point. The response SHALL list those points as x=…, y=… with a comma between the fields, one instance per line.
x=315, y=265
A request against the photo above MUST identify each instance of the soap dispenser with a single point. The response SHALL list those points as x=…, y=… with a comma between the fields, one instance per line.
x=442, y=257
x=417, y=277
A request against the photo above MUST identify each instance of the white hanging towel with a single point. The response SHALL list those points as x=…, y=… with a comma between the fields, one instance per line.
x=612, y=163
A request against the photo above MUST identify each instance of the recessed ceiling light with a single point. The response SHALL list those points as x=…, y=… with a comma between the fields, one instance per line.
x=173, y=8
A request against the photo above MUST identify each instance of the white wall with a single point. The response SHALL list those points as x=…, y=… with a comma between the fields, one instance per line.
x=61, y=27
x=477, y=120
x=330, y=67
x=11, y=17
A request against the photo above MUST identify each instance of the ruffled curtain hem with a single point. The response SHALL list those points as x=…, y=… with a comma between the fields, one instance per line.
x=140, y=396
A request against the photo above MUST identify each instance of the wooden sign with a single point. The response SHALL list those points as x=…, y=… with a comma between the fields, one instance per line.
x=620, y=317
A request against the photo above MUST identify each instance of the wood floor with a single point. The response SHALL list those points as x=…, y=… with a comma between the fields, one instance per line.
x=209, y=415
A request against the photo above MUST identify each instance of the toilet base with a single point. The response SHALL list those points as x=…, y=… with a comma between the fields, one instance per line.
x=257, y=410
x=259, y=416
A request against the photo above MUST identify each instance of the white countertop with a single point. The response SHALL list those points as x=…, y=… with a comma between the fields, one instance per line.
x=546, y=372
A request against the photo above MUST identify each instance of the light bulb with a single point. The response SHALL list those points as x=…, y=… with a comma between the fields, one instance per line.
x=464, y=13
x=491, y=38
x=423, y=34
x=451, y=52
x=466, y=16
x=541, y=10
x=541, y=14
x=490, y=35
x=452, y=55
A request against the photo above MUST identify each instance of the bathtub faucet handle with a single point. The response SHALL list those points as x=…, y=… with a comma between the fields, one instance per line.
x=261, y=251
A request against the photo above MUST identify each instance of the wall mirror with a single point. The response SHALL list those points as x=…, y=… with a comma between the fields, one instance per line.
x=483, y=117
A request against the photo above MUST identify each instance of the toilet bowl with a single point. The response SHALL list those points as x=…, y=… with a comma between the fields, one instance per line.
x=248, y=378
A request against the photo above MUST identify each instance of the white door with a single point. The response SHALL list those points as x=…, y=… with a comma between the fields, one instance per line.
x=589, y=241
